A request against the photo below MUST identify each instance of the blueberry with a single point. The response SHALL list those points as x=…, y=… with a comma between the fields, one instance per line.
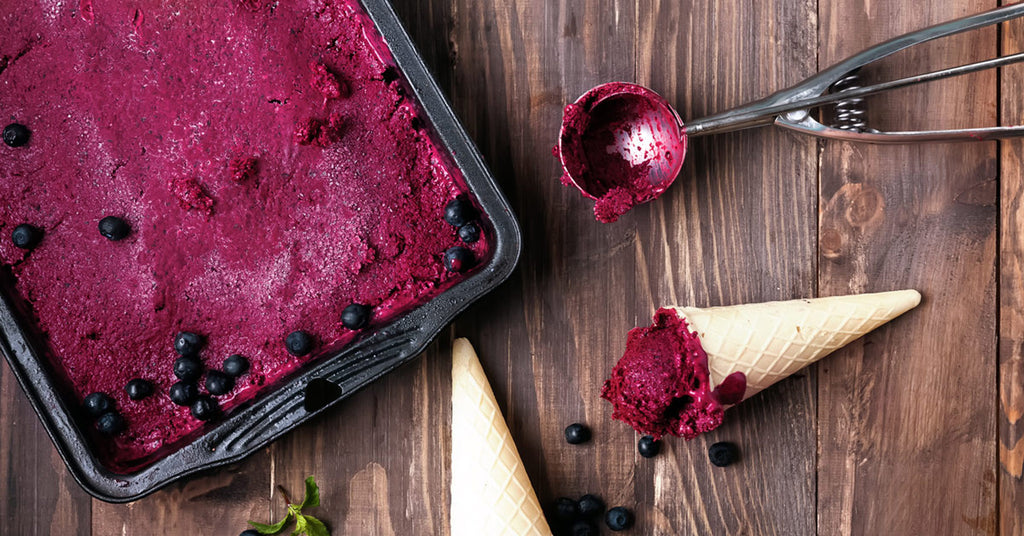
x=591, y=506
x=236, y=365
x=97, y=404
x=619, y=518
x=110, y=423
x=299, y=343
x=470, y=232
x=648, y=446
x=459, y=212
x=577, y=433
x=16, y=135
x=218, y=383
x=183, y=393
x=114, y=228
x=26, y=236
x=723, y=454
x=138, y=389
x=566, y=510
x=205, y=408
x=458, y=259
x=188, y=343
x=583, y=527
x=250, y=532
x=188, y=368
x=356, y=316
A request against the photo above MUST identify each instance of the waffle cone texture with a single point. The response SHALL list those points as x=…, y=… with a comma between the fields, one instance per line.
x=770, y=341
x=491, y=493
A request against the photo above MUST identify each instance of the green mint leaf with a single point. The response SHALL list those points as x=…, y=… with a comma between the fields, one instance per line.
x=314, y=527
x=312, y=497
x=271, y=529
x=294, y=509
x=300, y=525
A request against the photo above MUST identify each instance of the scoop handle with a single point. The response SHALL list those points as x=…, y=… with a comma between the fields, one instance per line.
x=810, y=92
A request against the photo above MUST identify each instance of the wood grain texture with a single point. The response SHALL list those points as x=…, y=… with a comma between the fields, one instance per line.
x=543, y=339
x=37, y=494
x=906, y=428
x=916, y=429
x=215, y=502
x=738, y=226
x=1011, y=297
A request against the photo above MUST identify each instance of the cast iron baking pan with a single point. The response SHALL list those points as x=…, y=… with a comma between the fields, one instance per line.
x=329, y=379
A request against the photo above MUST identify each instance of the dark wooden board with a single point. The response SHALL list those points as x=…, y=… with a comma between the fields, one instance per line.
x=1011, y=297
x=916, y=429
x=738, y=227
x=38, y=494
x=906, y=427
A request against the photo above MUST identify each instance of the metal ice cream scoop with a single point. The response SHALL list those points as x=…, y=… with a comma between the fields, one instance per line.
x=623, y=144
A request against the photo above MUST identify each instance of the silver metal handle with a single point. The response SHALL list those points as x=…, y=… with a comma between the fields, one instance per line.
x=789, y=108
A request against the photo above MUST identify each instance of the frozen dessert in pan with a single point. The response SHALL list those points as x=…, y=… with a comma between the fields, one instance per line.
x=244, y=177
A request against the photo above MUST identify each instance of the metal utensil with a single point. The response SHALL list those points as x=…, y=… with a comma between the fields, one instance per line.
x=623, y=144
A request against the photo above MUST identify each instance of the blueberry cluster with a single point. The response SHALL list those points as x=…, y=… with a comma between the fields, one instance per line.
x=579, y=517
x=102, y=408
x=189, y=368
x=462, y=215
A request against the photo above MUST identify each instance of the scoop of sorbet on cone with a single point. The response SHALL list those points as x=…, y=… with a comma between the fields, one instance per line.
x=679, y=375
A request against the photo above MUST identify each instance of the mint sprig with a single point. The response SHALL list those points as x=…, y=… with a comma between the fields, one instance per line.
x=304, y=524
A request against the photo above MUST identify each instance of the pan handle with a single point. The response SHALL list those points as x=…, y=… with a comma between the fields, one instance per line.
x=317, y=390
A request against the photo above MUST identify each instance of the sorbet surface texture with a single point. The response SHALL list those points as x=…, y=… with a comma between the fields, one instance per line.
x=661, y=385
x=271, y=165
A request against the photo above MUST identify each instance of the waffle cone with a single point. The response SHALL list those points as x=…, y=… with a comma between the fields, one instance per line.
x=491, y=493
x=770, y=341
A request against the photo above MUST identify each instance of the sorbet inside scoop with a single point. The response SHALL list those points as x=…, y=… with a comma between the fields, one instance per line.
x=621, y=144
x=661, y=385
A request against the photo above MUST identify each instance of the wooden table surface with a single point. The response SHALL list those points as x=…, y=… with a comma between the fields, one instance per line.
x=915, y=429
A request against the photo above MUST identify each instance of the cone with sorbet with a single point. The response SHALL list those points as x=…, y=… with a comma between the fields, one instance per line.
x=491, y=493
x=678, y=375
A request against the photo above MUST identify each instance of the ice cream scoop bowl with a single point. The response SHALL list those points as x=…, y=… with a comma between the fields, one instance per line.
x=621, y=135
x=623, y=144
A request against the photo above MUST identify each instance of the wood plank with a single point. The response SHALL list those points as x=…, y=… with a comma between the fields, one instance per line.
x=547, y=339
x=37, y=494
x=1011, y=305
x=906, y=429
x=737, y=227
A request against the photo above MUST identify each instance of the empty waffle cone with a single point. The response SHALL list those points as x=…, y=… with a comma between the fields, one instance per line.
x=491, y=493
x=770, y=341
